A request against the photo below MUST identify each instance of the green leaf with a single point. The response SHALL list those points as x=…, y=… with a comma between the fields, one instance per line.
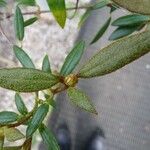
x=51, y=102
x=13, y=148
x=84, y=17
x=1, y=138
x=80, y=99
x=72, y=59
x=26, y=80
x=27, y=2
x=58, y=8
x=48, y=138
x=113, y=8
x=139, y=6
x=2, y=3
x=131, y=20
x=37, y=119
x=7, y=117
x=13, y=134
x=46, y=64
x=101, y=32
x=30, y=21
x=117, y=55
x=123, y=31
x=23, y=57
x=19, y=24
x=100, y=4
x=20, y=104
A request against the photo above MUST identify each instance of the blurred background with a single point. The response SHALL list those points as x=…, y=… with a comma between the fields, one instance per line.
x=122, y=98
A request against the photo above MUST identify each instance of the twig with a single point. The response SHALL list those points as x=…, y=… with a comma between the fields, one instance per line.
x=46, y=11
x=76, y=8
x=24, y=118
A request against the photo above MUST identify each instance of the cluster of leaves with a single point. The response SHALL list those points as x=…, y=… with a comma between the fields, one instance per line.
x=105, y=61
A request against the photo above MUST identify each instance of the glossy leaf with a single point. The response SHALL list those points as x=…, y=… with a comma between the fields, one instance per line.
x=30, y=21
x=27, y=2
x=48, y=138
x=131, y=20
x=13, y=148
x=80, y=99
x=37, y=119
x=26, y=80
x=3, y=3
x=1, y=138
x=20, y=104
x=138, y=6
x=84, y=17
x=116, y=55
x=73, y=59
x=46, y=64
x=100, y=4
x=123, y=31
x=113, y=8
x=7, y=117
x=19, y=24
x=13, y=134
x=58, y=8
x=101, y=32
x=23, y=57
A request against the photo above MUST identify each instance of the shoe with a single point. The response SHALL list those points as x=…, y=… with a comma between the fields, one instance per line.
x=63, y=137
x=96, y=140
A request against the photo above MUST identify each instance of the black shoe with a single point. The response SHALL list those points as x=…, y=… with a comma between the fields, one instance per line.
x=63, y=137
x=96, y=141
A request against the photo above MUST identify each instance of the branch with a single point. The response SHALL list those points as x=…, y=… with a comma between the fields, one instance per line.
x=47, y=11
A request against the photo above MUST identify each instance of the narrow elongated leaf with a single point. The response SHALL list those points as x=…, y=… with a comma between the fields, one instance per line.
x=23, y=57
x=101, y=31
x=20, y=104
x=7, y=117
x=84, y=17
x=139, y=6
x=37, y=119
x=2, y=3
x=30, y=21
x=27, y=2
x=46, y=64
x=48, y=138
x=130, y=20
x=100, y=4
x=73, y=59
x=13, y=134
x=113, y=8
x=13, y=148
x=80, y=99
x=26, y=80
x=117, y=55
x=1, y=138
x=123, y=31
x=19, y=24
x=58, y=8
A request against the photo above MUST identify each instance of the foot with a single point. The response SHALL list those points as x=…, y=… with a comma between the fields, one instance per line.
x=96, y=141
x=63, y=137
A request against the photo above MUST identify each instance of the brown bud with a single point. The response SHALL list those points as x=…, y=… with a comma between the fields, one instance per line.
x=71, y=80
